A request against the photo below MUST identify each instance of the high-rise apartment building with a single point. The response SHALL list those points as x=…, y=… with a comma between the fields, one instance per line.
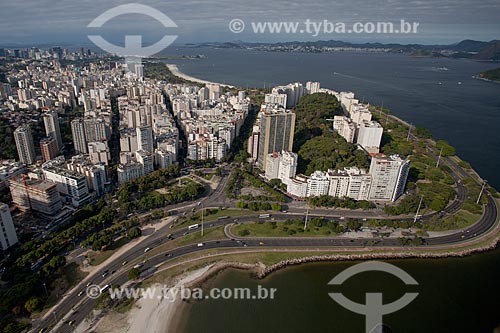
x=96, y=130
x=345, y=128
x=145, y=139
x=49, y=148
x=79, y=139
x=71, y=185
x=370, y=136
x=276, y=134
x=317, y=184
x=288, y=166
x=389, y=176
x=51, y=122
x=24, y=144
x=8, y=236
x=350, y=182
x=312, y=87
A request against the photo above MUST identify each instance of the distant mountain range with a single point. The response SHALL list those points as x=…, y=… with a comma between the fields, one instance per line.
x=465, y=49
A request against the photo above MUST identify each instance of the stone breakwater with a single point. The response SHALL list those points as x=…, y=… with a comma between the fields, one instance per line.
x=219, y=267
x=262, y=273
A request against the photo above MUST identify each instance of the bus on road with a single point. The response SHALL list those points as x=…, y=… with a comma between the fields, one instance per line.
x=264, y=216
x=193, y=226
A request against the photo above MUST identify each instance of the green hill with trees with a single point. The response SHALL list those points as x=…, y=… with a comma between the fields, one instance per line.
x=318, y=147
x=492, y=74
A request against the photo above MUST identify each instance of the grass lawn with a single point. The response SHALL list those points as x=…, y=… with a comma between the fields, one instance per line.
x=172, y=184
x=195, y=237
x=97, y=258
x=73, y=274
x=208, y=176
x=67, y=277
x=460, y=220
x=280, y=229
x=196, y=217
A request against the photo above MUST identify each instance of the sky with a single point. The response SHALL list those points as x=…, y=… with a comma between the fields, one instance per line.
x=60, y=22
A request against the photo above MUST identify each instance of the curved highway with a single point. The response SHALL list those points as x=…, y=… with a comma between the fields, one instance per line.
x=76, y=308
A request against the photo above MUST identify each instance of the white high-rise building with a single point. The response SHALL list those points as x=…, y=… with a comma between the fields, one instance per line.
x=95, y=173
x=313, y=87
x=360, y=113
x=24, y=144
x=163, y=158
x=51, y=122
x=96, y=129
x=288, y=166
x=128, y=140
x=350, y=182
x=145, y=139
x=317, y=184
x=272, y=165
x=139, y=71
x=129, y=171
x=146, y=159
x=389, y=176
x=339, y=184
x=8, y=236
x=70, y=184
x=279, y=99
x=99, y=152
x=370, y=136
x=253, y=143
x=345, y=128
x=293, y=91
x=297, y=187
x=214, y=91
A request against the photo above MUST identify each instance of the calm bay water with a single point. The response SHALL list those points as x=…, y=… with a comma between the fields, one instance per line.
x=466, y=114
x=456, y=295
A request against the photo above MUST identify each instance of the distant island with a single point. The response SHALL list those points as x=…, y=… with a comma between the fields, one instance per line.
x=490, y=75
x=478, y=50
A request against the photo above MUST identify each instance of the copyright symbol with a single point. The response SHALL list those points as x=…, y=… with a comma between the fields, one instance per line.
x=236, y=26
x=93, y=291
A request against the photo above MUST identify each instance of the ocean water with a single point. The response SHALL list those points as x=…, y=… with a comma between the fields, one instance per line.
x=456, y=294
x=439, y=94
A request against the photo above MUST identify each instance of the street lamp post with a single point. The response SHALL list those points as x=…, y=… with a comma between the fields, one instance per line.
x=418, y=209
x=439, y=157
x=46, y=292
x=481, y=192
x=307, y=216
x=202, y=211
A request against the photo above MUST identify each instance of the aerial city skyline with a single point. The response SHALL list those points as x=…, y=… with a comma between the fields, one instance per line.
x=160, y=162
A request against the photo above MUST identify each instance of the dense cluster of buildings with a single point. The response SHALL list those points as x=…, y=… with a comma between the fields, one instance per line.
x=209, y=118
x=107, y=102
x=116, y=105
x=385, y=181
x=357, y=126
x=271, y=141
x=148, y=133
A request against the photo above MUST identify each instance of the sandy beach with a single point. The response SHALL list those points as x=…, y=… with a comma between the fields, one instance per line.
x=150, y=315
x=175, y=70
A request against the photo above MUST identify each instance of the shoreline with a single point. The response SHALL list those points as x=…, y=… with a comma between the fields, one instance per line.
x=168, y=318
x=478, y=77
x=261, y=271
x=177, y=72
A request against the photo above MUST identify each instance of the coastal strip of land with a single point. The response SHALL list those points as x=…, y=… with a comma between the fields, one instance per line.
x=175, y=71
x=163, y=316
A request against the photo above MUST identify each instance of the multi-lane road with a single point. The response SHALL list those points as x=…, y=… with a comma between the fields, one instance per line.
x=76, y=308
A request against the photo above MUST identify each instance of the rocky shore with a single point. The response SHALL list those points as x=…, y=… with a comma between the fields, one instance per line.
x=373, y=256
